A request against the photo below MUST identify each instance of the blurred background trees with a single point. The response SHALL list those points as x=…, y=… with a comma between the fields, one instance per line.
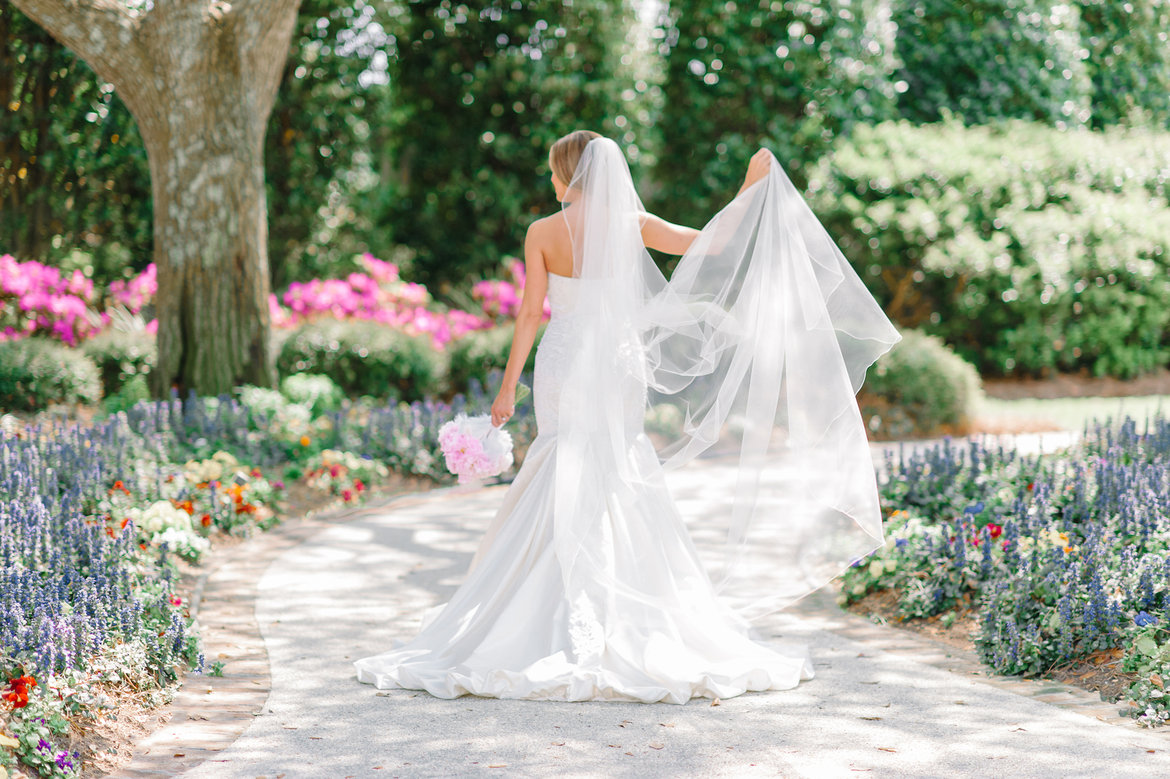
x=997, y=169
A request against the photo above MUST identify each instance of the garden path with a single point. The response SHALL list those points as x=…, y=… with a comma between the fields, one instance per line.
x=884, y=702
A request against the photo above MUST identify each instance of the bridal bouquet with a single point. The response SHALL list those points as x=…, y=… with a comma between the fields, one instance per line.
x=474, y=448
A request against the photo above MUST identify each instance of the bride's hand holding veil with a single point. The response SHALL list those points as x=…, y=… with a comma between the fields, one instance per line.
x=757, y=169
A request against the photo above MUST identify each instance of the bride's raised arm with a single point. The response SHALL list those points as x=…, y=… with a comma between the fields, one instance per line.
x=664, y=236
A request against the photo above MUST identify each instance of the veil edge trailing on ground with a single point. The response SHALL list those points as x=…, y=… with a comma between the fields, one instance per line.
x=749, y=357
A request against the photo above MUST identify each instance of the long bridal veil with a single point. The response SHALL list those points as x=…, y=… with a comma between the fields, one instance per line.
x=749, y=358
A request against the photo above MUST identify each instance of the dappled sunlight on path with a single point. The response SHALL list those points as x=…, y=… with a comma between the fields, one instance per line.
x=353, y=589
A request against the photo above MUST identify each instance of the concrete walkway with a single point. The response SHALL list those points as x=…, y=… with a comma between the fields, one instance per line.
x=884, y=703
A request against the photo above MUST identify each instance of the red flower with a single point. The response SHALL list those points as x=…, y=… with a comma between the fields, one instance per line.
x=347, y=496
x=205, y=520
x=175, y=600
x=359, y=486
x=334, y=470
x=1030, y=486
x=17, y=693
x=255, y=473
x=995, y=530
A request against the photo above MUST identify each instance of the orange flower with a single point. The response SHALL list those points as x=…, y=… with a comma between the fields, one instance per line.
x=185, y=505
x=205, y=520
x=305, y=440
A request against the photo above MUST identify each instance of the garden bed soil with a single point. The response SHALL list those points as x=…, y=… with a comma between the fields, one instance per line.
x=1078, y=385
x=108, y=743
x=1100, y=672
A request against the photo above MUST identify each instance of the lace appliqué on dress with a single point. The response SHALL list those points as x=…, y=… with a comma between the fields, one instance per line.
x=586, y=633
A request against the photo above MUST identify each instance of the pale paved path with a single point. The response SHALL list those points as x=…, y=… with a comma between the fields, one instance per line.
x=883, y=703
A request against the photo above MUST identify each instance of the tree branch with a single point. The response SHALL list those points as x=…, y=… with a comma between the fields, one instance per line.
x=101, y=32
x=266, y=28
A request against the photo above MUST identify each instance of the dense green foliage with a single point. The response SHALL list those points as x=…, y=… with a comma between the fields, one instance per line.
x=74, y=186
x=319, y=141
x=365, y=358
x=121, y=355
x=474, y=356
x=991, y=59
x=1027, y=249
x=919, y=388
x=37, y=372
x=788, y=75
x=481, y=96
x=1128, y=45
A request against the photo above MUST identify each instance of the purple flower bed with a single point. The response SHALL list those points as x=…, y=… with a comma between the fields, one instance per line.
x=84, y=576
x=1064, y=556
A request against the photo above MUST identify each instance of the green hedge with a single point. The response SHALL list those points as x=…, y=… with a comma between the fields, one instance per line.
x=1129, y=58
x=120, y=356
x=35, y=372
x=919, y=388
x=789, y=75
x=476, y=354
x=991, y=59
x=365, y=358
x=1029, y=250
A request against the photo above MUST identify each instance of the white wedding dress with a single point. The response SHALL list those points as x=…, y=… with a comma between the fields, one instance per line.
x=587, y=585
x=513, y=631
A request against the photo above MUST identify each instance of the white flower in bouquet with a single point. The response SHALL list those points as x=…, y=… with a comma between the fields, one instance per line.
x=474, y=448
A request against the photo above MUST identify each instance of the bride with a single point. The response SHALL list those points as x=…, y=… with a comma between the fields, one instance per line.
x=588, y=584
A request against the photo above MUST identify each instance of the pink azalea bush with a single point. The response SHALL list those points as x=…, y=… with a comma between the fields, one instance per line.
x=38, y=299
x=500, y=300
x=137, y=293
x=379, y=295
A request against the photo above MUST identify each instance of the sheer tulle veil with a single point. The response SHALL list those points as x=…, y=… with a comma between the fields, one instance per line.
x=749, y=359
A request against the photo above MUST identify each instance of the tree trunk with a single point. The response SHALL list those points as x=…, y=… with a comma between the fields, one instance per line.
x=200, y=79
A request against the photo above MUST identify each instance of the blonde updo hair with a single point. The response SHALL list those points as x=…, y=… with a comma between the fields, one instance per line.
x=567, y=151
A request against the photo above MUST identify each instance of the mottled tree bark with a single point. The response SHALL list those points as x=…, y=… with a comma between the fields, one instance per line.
x=200, y=78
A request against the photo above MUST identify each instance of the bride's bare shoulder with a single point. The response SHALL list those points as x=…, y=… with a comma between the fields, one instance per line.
x=548, y=229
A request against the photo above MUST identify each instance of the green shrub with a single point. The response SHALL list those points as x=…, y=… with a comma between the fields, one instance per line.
x=476, y=354
x=132, y=392
x=35, y=372
x=121, y=355
x=365, y=358
x=320, y=393
x=789, y=75
x=1028, y=249
x=1128, y=58
x=919, y=388
x=991, y=59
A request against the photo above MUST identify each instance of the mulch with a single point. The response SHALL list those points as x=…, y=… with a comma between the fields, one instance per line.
x=1078, y=385
x=1100, y=672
